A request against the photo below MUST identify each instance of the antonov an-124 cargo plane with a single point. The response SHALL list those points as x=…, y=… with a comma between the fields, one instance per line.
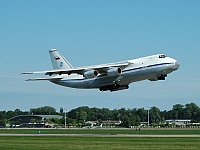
x=112, y=76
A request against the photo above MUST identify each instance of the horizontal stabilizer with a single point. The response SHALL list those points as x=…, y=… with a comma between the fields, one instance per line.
x=54, y=78
x=27, y=73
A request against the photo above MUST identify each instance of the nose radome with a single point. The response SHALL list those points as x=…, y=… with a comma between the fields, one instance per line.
x=176, y=65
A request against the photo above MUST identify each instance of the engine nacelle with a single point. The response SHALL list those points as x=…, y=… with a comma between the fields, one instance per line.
x=90, y=74
x=114, y=71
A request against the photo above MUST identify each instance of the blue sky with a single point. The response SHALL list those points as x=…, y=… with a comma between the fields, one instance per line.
x=93, y=32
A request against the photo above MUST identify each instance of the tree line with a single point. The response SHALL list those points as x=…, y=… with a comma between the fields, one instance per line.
x=134, y=117
x=128, y=117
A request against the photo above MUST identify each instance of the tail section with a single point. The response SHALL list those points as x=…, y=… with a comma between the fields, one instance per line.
x=58, y=61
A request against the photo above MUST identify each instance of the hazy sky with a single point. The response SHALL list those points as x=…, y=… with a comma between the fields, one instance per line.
x=93, y=32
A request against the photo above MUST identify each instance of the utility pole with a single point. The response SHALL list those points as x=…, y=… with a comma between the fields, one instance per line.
x=65, y=116
x=118, y=115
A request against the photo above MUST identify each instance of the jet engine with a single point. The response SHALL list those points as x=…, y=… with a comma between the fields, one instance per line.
x=114, y=72
x=90, y=74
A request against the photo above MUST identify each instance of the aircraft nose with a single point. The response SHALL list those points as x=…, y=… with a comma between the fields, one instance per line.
x=176, y=65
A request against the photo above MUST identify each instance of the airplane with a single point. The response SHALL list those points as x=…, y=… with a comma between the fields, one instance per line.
x=88, y=127
x=98, y=127
x=93, y=127
x=112, y=76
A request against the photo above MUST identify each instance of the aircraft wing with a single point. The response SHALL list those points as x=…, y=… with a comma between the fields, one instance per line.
x=80, y=70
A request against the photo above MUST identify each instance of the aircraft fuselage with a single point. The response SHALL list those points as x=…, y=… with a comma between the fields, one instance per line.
x=153, y=68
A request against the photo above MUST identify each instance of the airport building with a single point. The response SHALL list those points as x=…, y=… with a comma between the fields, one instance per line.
x=32, y=120
x=181, y=122
x=111, y=122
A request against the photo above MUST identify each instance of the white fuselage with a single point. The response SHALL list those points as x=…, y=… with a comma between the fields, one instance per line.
x=151, y=67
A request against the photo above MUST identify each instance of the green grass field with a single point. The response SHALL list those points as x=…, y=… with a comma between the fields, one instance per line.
x=97, y=143
x=17, y=142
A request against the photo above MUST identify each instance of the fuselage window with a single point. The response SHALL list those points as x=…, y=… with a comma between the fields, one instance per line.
x=161, y=56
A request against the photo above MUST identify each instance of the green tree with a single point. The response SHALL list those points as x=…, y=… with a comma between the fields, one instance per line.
x=178, y=111
x=55, y=120
x=2, y=115
x=61, y=111
x=46, y=110
x=82, y=116
x=154, y=114
x=3, y=122
x=192, y=112
x=126, y=122
x=142, y=114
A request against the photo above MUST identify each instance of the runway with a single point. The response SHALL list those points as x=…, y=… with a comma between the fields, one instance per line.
x=103, y=135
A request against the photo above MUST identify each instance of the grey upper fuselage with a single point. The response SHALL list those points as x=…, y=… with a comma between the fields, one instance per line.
x=150, y=67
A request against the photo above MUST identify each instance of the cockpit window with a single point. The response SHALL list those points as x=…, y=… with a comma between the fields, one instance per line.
x=162, y=56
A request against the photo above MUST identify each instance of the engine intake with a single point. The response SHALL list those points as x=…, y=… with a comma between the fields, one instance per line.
x=114, y=72
x=90, y=74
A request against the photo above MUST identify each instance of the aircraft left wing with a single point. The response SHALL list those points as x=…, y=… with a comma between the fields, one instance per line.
x=102, y=69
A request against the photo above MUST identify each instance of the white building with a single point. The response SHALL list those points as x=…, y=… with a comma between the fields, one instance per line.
x=178, y=121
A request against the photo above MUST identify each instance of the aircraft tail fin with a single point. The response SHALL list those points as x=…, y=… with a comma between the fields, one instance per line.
x=58, y=61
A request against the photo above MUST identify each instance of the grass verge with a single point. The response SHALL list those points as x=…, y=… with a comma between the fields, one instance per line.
x=97, y=143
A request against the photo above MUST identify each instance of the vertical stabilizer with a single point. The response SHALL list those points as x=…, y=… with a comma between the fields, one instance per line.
x=58, y=61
